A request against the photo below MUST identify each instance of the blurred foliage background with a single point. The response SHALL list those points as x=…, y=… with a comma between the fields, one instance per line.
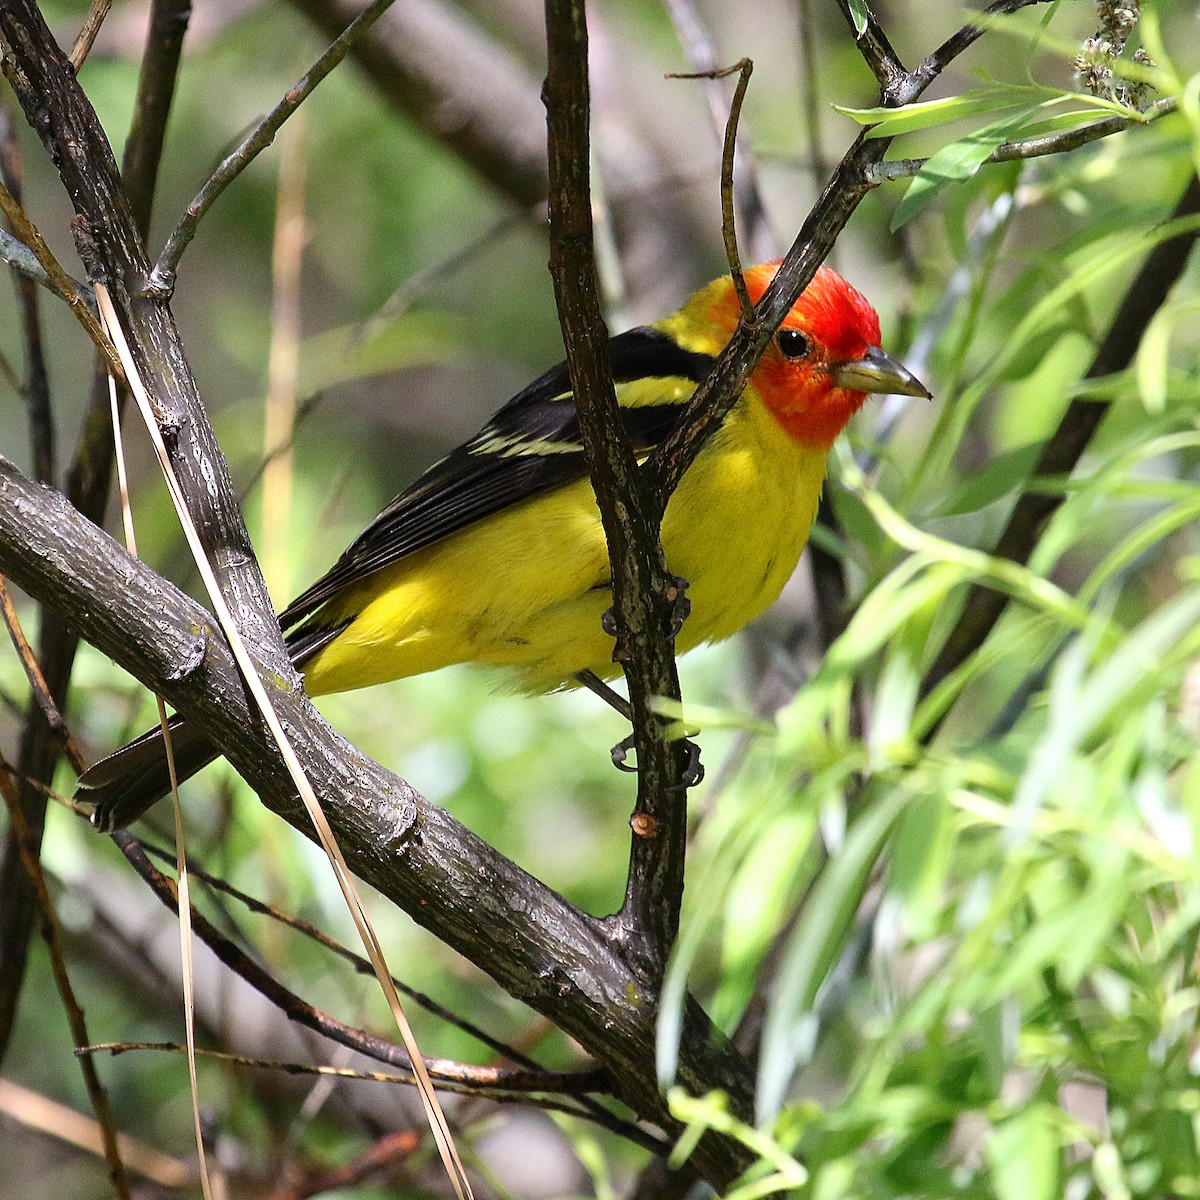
x=966, y=957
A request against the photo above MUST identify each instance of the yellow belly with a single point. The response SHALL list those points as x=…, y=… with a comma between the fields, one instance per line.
x=525, y=590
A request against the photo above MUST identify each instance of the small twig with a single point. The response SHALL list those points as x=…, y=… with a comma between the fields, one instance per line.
x=1037, y=147
x=501, y=1085
x=934, y=64
x=744, y=67
x=876, y=49
x=88, y=31
x=152, y=106
x=162, y=278
x=701, y=53
x=305, y=1014
x=23, y=260
x=357, y=961
x=60, y=281
x=810, y=90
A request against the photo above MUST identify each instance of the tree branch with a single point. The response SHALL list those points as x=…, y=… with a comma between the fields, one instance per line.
x=152, y=106
x=649, y=918
x=875, y=48
x=541, y=949
x=162, y=278
x=1038, y=147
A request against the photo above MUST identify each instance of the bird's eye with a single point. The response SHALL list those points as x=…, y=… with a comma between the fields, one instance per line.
x=792, y=343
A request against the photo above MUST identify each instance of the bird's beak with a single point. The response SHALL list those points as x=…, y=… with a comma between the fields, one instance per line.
x=877, y=371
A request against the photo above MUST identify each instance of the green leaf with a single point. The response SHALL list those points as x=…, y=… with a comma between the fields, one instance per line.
x=891, y=122
x=957, y=162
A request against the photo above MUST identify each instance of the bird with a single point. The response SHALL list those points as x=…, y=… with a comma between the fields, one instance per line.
x=496, y=555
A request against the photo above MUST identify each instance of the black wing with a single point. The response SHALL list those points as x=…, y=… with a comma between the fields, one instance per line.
x=529, y=447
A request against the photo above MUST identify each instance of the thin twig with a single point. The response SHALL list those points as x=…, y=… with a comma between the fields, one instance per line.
x=875, y=48
x=934, y=64
x=36, y=389
x=62, y=283
x=23, y=260
x=305, y=1014
x=1037, y=147
x=744, y=67
x=357, y=961
x=810, y=90
x=701, y=53
x=162, y=279
x=37, y=682
x=500, y=1085
x=152, y=106
x=88, y=31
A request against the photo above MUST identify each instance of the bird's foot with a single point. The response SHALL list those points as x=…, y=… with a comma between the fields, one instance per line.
x=693, y=771
x=677, y=597
x=681, y=606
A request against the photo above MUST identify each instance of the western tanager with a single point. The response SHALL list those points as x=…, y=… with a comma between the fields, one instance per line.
x=496, y=555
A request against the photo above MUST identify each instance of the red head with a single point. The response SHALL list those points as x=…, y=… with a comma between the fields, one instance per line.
x=817, y=370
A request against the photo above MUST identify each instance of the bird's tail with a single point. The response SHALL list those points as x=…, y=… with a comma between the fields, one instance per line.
x=125, y=784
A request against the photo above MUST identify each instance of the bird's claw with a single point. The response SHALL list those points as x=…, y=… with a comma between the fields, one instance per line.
x=681, y=605
x=677, y=597
x=620, y=752
x=693, y=771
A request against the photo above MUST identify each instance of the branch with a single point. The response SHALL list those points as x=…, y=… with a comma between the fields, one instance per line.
x=152, y=105
x=535, y=944
x=59, y=281
x=951, y=48
x=1146, y=294
x=88, y=31
x=361, y=965
x=36, y=388
x=1054, y=143
x=698, y=46
x=162, y=279
x=876, y=49
x=23, y=260
x=729, y=152
x=485, y=1079
x=649, y=919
